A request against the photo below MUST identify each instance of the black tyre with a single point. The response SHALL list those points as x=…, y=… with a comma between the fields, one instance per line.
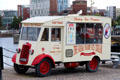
x=43, y=68
x=20, y=69
x=92, y=66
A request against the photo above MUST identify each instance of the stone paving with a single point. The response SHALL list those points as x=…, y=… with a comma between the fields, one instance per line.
x=105, y=72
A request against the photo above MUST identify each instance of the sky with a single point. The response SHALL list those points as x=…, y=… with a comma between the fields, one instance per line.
x=100, y=4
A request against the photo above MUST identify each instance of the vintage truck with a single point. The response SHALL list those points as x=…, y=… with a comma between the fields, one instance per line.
x=73, y=40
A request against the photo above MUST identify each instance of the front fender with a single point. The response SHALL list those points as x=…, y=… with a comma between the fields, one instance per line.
x=14, y=58
x=41, y=57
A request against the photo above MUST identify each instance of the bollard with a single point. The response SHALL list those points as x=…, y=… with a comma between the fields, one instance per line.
x=1, y=62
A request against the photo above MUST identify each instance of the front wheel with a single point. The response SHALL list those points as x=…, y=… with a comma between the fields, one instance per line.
x=20, y=68
x=92, y=66
x=43, y=68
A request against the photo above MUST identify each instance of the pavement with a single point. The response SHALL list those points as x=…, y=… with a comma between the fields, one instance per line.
x=105, y=72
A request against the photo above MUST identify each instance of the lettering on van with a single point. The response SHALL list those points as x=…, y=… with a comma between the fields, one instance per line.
x=57, y=22
x=56, y=49
x=86, y=19
x=93, y=47
x=87, y=54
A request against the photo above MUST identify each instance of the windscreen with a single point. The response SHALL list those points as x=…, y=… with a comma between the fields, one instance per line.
x=30, y=33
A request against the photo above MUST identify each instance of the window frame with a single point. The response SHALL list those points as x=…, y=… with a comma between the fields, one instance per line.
x=102, y=27
x=27, y=33
x=94, y=34
x=51, y=34
x=48, y=34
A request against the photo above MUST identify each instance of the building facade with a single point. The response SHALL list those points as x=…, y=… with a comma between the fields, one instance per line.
x=39, y=7
x=7, y=17
x=62, y=5
x=0, y=13
x=23, y=11
x=111, y=12
x=117, y=12
x=96, y=11
x=52, y=8
x=47, y=7
x=102, y=12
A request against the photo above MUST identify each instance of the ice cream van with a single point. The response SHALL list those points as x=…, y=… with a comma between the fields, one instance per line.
x=73, y=40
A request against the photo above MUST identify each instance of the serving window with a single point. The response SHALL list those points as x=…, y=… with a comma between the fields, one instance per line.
x=89, y=33
x=80, y=31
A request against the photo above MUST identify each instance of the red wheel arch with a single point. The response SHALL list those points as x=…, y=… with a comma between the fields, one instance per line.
x=41, y=57
x=14, y=58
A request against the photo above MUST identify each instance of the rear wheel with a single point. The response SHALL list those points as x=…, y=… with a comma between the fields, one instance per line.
x=43, y=68
x=20, y=68
x=92, y=66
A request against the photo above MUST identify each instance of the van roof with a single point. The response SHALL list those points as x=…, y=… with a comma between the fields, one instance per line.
x=41, y=19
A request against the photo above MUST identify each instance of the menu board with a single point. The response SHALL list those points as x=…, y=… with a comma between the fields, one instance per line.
x=71, y=30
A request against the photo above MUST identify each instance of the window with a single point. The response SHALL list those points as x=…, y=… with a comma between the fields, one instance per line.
x=56, y=34
x=94, y=33
x=98, y=33
x=30, y=33
x=89, y=33
x=45, y=36
x=80, y=30
x=24, y=34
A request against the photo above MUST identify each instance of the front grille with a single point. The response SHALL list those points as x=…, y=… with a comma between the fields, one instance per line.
x=24, y=56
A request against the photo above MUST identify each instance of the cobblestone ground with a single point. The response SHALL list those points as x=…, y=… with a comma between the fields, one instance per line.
x=105, y=72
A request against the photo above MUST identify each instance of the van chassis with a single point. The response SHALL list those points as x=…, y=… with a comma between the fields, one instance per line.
x=44, y=63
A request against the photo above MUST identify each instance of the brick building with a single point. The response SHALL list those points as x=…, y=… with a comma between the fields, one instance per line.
x=53, y=7
x=79, y=5
x=23, y=11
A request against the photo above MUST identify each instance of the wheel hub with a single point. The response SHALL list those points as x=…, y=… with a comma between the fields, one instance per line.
x=44, y=67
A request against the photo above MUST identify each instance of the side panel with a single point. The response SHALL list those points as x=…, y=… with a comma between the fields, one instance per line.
x=52, y=48
x=106, y=41
x=85, y=52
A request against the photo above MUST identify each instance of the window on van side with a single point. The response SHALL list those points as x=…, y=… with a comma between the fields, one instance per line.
x=98, y=33
x=45, y=36
x=93, y=33
x=89, y=33
x=55, y=34
x=80, y=31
